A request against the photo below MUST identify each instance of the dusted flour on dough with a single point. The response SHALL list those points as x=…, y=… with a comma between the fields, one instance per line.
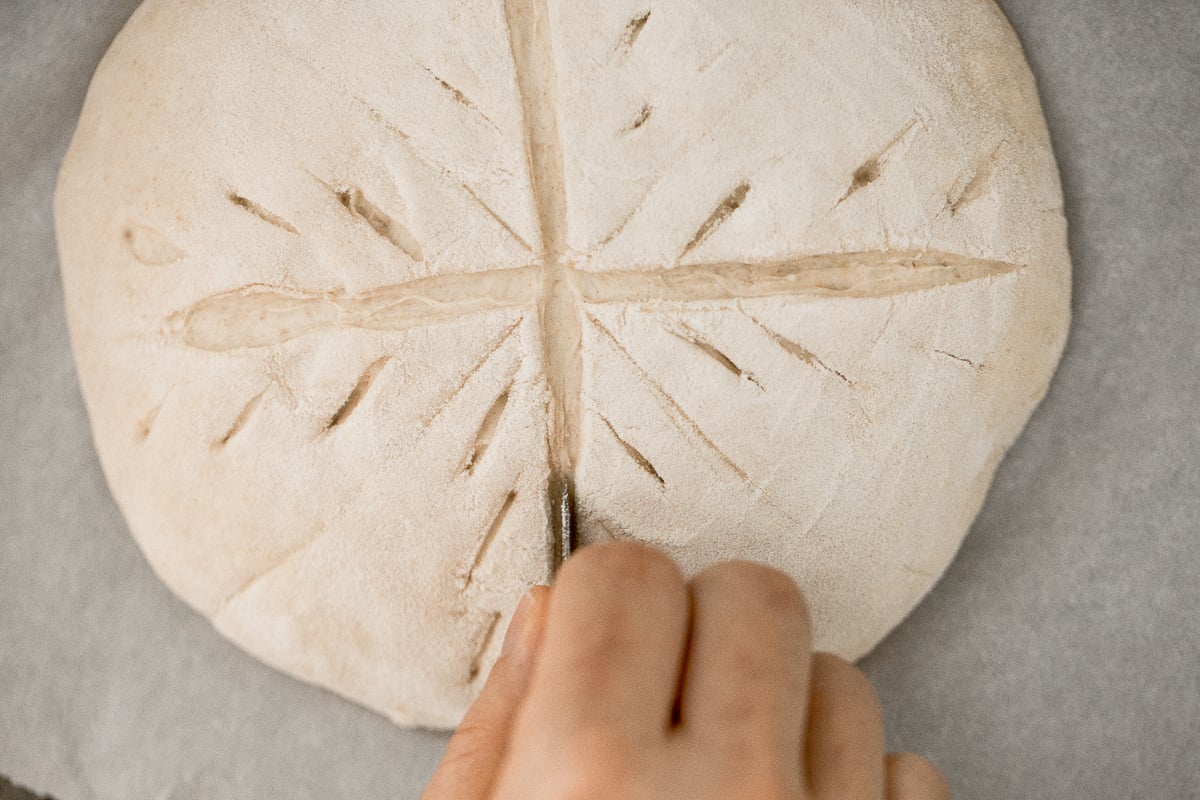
x=354, y=285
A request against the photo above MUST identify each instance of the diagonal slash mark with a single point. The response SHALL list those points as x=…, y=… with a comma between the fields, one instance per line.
x=636, y=455
x=797, y=350
x=286, y=558
x=492, y=349
x=681, y=418
x=485, y=639
x=497, y=522
x=392, y=128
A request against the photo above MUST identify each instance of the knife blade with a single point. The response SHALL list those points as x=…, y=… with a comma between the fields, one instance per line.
x=566, y=519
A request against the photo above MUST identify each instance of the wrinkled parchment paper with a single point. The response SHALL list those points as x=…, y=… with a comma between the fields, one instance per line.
x=1057, y=659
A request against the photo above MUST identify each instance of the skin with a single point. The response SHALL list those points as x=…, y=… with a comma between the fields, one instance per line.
x=625, y=680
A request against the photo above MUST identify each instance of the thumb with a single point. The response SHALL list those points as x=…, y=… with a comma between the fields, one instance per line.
x=475, y=752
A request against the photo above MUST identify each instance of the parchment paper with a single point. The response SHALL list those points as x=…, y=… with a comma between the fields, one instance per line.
x=1058, y=659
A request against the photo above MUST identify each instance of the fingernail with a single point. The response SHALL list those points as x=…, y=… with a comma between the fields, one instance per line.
x=522, y=626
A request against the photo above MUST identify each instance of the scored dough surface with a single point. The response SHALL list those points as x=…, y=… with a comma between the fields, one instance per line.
x=353, y=286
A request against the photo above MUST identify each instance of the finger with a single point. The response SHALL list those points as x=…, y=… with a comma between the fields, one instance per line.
x=844, y=747
x=473, y=755
x=614, y=645
x=910, y=777
x=745, y=687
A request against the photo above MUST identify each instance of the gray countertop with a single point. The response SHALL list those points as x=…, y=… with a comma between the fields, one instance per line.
x=1057, y=659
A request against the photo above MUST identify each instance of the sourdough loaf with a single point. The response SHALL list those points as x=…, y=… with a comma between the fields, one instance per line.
x=355, y=286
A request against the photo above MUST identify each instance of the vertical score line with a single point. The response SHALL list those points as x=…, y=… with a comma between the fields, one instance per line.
x=558, y=307
x=529, y=31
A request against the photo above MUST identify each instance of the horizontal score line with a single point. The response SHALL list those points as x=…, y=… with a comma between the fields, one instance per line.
x=868, y=274
x=260, y=316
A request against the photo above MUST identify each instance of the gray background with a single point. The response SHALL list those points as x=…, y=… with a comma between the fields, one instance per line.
x=1058, y=658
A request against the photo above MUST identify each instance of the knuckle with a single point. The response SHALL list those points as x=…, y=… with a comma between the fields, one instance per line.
x=780, y=592
x=848, y=677
x=622, y=563
x=773, y=589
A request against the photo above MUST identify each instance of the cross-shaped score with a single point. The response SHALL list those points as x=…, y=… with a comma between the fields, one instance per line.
x=554, y=287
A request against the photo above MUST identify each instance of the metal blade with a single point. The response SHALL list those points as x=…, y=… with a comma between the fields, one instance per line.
x=566, y=518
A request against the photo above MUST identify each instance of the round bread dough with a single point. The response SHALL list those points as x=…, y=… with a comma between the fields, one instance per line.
x=354, y=287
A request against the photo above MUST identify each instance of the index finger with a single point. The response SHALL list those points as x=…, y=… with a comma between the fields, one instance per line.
x=613, y=646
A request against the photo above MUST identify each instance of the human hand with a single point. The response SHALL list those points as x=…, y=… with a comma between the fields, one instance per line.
x=625, y=681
